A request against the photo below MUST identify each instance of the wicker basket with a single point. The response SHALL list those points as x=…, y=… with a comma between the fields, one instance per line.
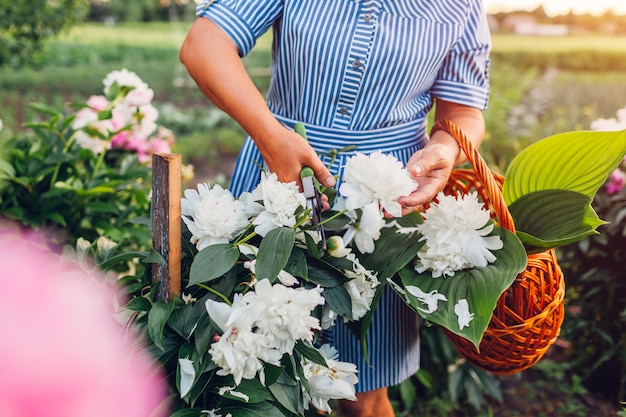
x=528, y=316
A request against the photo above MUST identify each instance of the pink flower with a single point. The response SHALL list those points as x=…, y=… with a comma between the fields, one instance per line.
x=62, y=352
x=98, y=103
x=616, y=181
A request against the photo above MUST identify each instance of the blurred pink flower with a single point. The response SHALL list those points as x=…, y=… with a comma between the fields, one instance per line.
x=62, y=353
x=616, y=181
x=98, y=103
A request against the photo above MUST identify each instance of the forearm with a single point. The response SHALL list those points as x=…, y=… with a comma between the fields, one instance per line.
x=213, y=61
x=470, y=120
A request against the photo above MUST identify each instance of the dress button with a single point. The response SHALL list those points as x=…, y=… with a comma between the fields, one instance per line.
x=356, y=64
x=343, y=110
x=367, y=17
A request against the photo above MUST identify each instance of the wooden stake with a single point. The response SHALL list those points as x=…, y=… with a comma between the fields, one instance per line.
x=166, y=223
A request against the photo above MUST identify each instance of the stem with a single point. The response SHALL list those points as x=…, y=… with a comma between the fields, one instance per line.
x=333, y=217
x=66, y=148
x=219, y=294
x=98, y=164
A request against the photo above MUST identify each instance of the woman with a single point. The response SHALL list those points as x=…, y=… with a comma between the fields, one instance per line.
x=355, y=72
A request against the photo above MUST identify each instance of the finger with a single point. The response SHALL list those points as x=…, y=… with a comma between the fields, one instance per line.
x=323, y=175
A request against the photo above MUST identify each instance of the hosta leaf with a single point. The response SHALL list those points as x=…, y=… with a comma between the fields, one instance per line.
x=212, y=262
x=274, y=252
x=481, y=287
x=575, y=161
x=551, y=218
x=393, y=253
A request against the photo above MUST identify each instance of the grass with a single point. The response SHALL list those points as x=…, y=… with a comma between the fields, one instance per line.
x=71, y=68
x=509, y=43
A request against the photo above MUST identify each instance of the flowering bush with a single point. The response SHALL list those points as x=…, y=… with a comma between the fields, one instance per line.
x=595, y=320
x=259, y=286
x=86, y=172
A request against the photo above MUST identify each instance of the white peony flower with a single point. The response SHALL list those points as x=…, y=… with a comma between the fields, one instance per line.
x=430, y=299
x=461, y=309
x=239, y=351
x=274, y=203
x=366, y=230
x=376, y=178
x=187, y=375
x=325, y=384
x=284, y=313
x=361, y=287
x=123, y=78
x=328, y=317
x=213, y=216
x=456, y=231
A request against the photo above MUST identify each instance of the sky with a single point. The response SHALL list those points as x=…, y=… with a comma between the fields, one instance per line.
x=558, y=7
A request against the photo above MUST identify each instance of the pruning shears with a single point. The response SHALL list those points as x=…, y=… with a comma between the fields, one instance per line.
x=311, y=192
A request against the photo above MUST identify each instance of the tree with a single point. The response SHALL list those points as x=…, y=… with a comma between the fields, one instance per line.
x=26, y=26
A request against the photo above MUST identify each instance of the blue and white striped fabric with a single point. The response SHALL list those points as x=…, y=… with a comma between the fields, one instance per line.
x=364, y=73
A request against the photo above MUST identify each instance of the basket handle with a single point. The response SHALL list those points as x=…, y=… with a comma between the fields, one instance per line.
x=484, y=174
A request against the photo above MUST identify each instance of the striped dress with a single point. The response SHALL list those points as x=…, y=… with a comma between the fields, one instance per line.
x=364, y=73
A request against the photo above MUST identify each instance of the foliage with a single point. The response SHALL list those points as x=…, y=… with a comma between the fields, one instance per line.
x=595, y=321
x=25, y=26
x=60, y=177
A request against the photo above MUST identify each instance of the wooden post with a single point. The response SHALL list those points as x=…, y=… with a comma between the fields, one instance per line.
x=166, y=223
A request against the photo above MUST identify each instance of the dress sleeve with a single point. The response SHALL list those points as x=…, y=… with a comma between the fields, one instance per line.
x=243, y=20
x=464, y=75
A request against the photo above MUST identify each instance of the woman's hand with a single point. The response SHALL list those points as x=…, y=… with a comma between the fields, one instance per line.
x=431, y=168
x=286, y=153
x=432, y=165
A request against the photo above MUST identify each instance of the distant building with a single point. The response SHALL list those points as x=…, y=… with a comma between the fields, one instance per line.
x=524, y=24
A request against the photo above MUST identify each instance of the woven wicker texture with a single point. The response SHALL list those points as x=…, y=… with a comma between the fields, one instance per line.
x=528, y=316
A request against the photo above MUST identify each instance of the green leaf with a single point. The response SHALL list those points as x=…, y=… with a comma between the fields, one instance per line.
x=59, y=157
x=481, y=287
x=393, y=250
x=121, y=258
x=274, y=252
x=184, y=320
x=550, y=218
x=189, y=412
x=253, y=388
x=44, y=108
x=309, y=352
x=157, y=318
x=287, y=393
x=339, y=300
x=297, y=264
x=264, y=409
x=139, y=304
x=575, y=161
x=57, y=218
x=212, y=262
x=6, y=169
x=325, y=274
